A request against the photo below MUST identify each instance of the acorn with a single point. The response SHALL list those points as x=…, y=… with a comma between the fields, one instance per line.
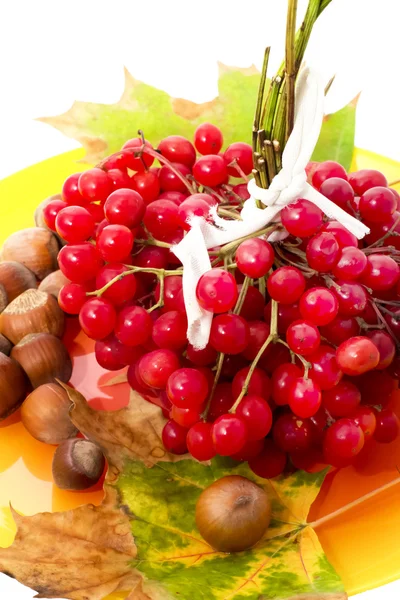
x=15, y=278
x=36, y=248
x=44, y=358
x=233, y=513
x=13, y=385
x=5, y=345
x=31, y=312
x=45, y=414
x=77, y=464
x=53, y=283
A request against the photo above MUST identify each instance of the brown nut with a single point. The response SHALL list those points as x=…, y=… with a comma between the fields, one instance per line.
x=77, y=464
x=38, y=214
x=5, y=345
x=45, y=414
x=44, y=358
x=31, y=312
x=13, y=386
x=53, y=283
x=233, y=513
x=16, y=278
x=3, y=297
x=36, y=248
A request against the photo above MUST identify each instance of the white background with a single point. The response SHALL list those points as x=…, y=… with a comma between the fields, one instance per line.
x=53, y=52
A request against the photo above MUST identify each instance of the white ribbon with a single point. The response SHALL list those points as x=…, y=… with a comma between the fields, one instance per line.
x=288, y=185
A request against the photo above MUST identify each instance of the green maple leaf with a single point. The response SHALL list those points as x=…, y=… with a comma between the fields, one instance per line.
x=336, y=141
x=103, y=128
x=143, y=538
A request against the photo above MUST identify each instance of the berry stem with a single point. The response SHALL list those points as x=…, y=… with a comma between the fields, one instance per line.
x=160, y=303
x=228, y=213
x=305, y=362
x=161, y=273
x=153, y=242
x=228, y=248
x=290, y=65
x=242, y=295
x=350, y=505
x=220, y=362
x=384, y=237
x=273, y=337
x=262, y=286
x=236, y=166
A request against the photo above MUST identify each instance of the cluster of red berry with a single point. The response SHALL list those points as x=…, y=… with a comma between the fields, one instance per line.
x=301, y=362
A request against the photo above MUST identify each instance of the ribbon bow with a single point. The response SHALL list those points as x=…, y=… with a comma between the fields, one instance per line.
x=287, y=186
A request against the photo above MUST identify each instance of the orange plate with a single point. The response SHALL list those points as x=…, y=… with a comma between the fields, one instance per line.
x=362, y=544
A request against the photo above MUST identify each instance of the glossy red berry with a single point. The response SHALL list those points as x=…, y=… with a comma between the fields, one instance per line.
x=259, y=384
x=255, y=257
x=343, y=440
x=229, y=334
x=270, y=462
x=301, y=218
x=364, y=417
x=319, y=305
x=339, y=191
x=138, y=163
x=50, y=212
x=292, y=433
x=199, y=441
x=169, y=330
x=124, y=207
x=123, y=289
x=210, y=170
x=304, y=397
x=70, y=191
x=303, y=337
x=377, y=204
x=217, y=291
x=174, y=438
x=342, y=400
x=229, y=434
x=94, y=184
x=323, y=252
x=133, y=326
x=241, y=153
x=156, y=366
x=386, y=347
x=324, y=368
x=97, y=318
x=72, y=297
x=170, y=181
x=112, y=355
x=351, y=265
x=381, y=273
x=286, y=285
x=115, y=243
x=255, y=412
x=357, y=356
x=208, y=139
x=387, y=426
x=365, y=179
x=282, y=379
x=327, y=170
x=340, y=329
x=352, y=298
x=342, y=235
x=177, y=148
x=187, y=388
x=147, y=185
x=79, y=262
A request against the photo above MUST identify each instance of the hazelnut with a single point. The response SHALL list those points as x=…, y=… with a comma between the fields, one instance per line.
x=77, y=464
x=44, y=358
x=13, y=385
x=16, y=278
x=53, y=283
x=5, y=345
x=233, y=513
x=36, y=248
x=31, y=312
x=3, y=297
x=45, y=414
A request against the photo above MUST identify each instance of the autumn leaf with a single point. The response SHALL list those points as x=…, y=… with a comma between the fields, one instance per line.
x=143, y=538
x=103, y=128
x=336, y=141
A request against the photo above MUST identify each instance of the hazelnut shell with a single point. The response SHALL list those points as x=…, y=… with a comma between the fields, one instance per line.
x=45, y=414
x=36, y=248
x=44, y=358
x=53, y=283
x=16, y=278
x=13, y=385
x=233, y=513
x=77, y=464
x=5, y=345
x=31, y=312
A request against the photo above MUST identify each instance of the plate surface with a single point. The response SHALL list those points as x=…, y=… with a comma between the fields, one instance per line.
x=362, y=544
